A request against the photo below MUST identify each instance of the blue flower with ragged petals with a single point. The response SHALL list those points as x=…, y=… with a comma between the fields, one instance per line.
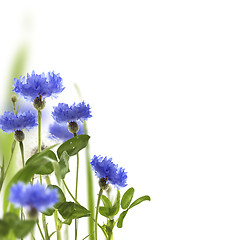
x=105, y=168
x=9, y=122
x=61, y=132
x=38, y=85
x=63, y=113
x=35, y=196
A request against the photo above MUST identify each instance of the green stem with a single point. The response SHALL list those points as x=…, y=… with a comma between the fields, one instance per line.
x=58, y=230
x=70, y=192
x=14, y=108
x=76, y=201
x=90, y=190
x=110, y=236
x=76, y=190
x=45, y=227
x=22, y=152
x=39, y=118
x=39, y=129
x=104, y=232
x=32, y=236
x=10, y=159
x=97, y=208
x=40, y=230
x=66, y=232
x=22, y=155
x=9, y=162
x=59, y=237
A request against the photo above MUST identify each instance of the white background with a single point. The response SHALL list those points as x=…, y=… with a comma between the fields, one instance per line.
x=162, y=78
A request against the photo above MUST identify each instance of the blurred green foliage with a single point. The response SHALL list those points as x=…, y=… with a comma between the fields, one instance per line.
x=6, y=140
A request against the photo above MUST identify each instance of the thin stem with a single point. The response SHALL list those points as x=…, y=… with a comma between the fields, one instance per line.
x=88, y=236
x=59, y=237
x=75, y=201
x=39, y=118
x=45, y=227
x=97, y=208
x=40, y=230
x=70, y=192
x=104, y=232
x=10, y=159
x=22, y=152
x=39, y=129
x=66, y=232
x=9, y=162
x=76, y=190
x=48, y=181
x=77, y=170
x=32, y=236
x=90, y=190
x=14, y=108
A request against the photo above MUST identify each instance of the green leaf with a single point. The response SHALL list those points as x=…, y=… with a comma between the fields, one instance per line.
x=4, y=228
x=105, y=211
x=120, y=219
x=71, y=210
x=23, y=228
x=116, y=206
x=63, y=164
x=73, y=145
x=127, y=198
x=43, y=169
x=136, y=202
x=110, y=210
x=106, y=202
x=139, y=200
x=48, y=212
x=7, y=142
x=11, y=218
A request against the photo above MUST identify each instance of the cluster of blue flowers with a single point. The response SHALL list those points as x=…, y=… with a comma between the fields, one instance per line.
x=105, y=168
x=63, y=113
x=35, y=196
x=40, y=86
x=10, y=122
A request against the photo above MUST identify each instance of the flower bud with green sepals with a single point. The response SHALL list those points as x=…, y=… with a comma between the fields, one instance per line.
x=73, y=127
x=19, y=135
x=103, y=183
x=14, y=98
x=39, y=103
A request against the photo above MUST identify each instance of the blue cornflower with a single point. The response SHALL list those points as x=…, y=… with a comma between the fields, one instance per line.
x=34, y=196
x=64, y=113
x=106, y=169
x=60, y=132
x=9, y=122
x=38, y=85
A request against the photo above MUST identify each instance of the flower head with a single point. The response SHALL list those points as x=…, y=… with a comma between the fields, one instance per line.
x=64, y=113
x=38, y=85
x=9, y=122
x=60, y=132
x=105, y=168
x=33, y=196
